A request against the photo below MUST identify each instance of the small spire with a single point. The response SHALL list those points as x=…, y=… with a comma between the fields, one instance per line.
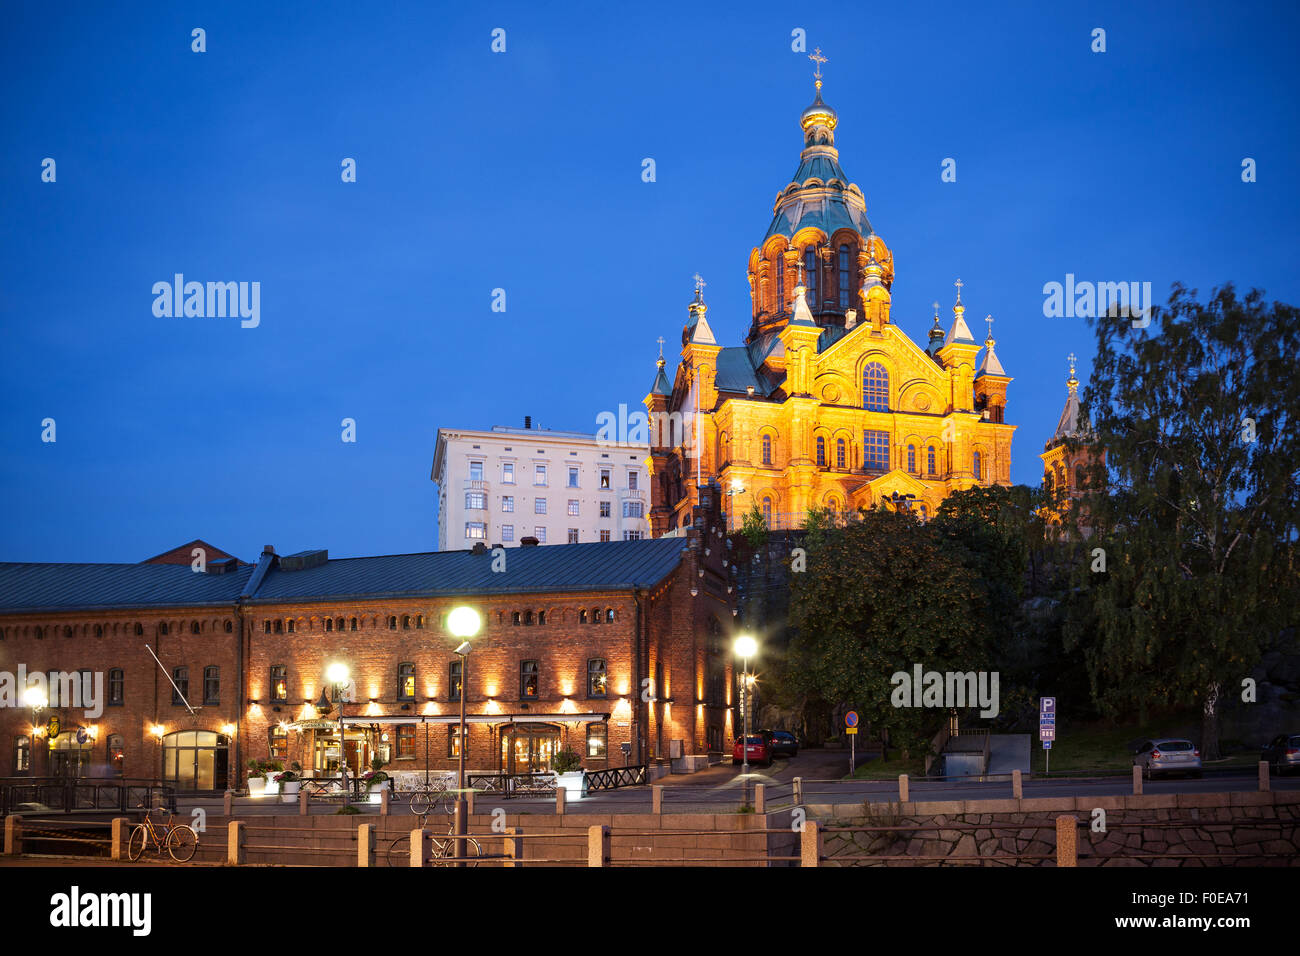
x=661, y=351
x=989, y=340
x=1072, y=381
x=816, y=57
x=958, y=284
x=699, y=287
x=936, y=312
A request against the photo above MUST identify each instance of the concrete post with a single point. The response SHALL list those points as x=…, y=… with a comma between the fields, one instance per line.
x=118, y=848
x=902, y=788
x=1067, y=841
x=303, y=797
x=417, y=849
x=798, y=791
x=810, y=844
x=1017, y=786
x=469, y=802
x=1137, y=781
x=365, y=844
x=760, y=798
x=559, y=801
x=384, y=793
x=598, y=846
x=228, y=803
x=657, y=799
x=13, y=835
x=235, y=853
x=514, y=847
x=1264, y=783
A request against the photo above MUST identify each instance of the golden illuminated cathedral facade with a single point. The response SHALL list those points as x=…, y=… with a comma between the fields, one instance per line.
x=827, y=403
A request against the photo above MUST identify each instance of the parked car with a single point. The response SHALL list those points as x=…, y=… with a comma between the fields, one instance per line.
x=1282, y=753
x=760, y=750
x=1167, y=755
x=784, y=743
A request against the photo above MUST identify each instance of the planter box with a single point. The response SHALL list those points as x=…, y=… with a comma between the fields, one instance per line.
x=289, y=791
x=574, y=783
x=256, y=786
x=373, y=792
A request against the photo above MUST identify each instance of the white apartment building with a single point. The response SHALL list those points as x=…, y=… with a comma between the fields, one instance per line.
x=507, y=484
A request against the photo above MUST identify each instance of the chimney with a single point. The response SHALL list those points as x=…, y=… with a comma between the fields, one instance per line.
x=528, y=542
x=479, y=548
x=268, y=549
x=528, y=421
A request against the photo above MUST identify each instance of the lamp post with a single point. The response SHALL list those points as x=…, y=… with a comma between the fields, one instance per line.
x=745, y=647
x=736, y=488
x=464, y=623
x=337, y=674
x=35, y=698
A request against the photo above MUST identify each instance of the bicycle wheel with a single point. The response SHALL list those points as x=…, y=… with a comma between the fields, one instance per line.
x=399, y=852
x=420, y=802
x=182, y=841
x=447, y=800
x=135, y=845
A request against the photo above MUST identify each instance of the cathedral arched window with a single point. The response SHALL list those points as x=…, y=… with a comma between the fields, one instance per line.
x=1078, y=477
x=911, y=459
x=839, y=453
x=779, y=265
x=821, y=452
x=767, y=511
x=875, y=388
x=810, y=271
x=930, y=462
x=767, y=449
x=844, y=277
x=978, y=475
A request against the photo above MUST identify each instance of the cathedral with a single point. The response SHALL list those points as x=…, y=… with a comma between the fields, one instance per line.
x=827, y=403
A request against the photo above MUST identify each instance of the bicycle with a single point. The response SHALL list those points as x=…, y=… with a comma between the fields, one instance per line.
x=428, y=796
x=180, y=841
x=443, y=852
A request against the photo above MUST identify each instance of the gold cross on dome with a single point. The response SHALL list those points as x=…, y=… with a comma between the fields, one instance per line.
x=816, y=57
x=699, y=285
x=936, y=310
x=661, y=346
x=959, y=284
x=989, y=320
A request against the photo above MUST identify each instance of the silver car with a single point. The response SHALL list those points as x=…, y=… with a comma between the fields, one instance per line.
x=1167, y=755
x=1282, y=753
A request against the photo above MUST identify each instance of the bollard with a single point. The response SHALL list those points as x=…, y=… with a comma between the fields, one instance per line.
x=598, y=846
x=383, y=801
x=1137, y=781
x=417, y=849
x=514, y=847
x=1264, y=783
x=469, y=802
x=13, y=835
x=228, y=803
x=366, y=845
x=303, y=797
x=1017, y=786
x=902, y=788
x=810, y=844
x=657, y=799
x=559, y=801
x=119, y=832
x=1067, y=841
x=235, y=853
x=760, y=798
x=798, y=791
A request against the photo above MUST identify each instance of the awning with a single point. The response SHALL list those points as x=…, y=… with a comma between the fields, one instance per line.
x=531, y=718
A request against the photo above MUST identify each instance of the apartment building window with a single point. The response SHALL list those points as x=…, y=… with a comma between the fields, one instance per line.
x=631, y=479
x=875, y=450
x=507, y=472
x=279, y=682
x=476, y=471
x=406, y=681
x=116, y=687
x=633, y=509
x=573, y=536
x=539, y=506
x=573, y=477
x=212, y=685
x=508, y=503
x=604, y=509
x=597, y=678
x=632, y=535
x=279, y=743
x=475, y=529
x=181, y=678
x=507, y=532
x=539, y=532
x=453, y=742
x=597, y=739
x=604, y=534
x=405, y=741
x=528, y=680
x=453, y=680
x=573, y=506
x=539, y=475
x=475, y=500
x=117, y=754
x=604, y=477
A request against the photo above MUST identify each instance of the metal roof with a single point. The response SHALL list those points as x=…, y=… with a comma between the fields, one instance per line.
x=596, y=566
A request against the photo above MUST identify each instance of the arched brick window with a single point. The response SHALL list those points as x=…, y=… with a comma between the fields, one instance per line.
x=875, y=388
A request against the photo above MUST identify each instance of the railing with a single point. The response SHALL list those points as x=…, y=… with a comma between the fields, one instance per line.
x=82, y=793
x=615, y=777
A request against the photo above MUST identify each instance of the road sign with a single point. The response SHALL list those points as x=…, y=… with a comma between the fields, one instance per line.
x=1046, y=706
x=1046, y=732
x=850, y=730
x=851, y=719
x=1047, y=745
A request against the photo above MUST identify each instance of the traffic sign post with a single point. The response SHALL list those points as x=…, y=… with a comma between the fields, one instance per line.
x=1047, y=728
x=851, y=728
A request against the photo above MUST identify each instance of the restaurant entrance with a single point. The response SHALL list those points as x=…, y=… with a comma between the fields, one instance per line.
x=356, y=750
x=528, y=748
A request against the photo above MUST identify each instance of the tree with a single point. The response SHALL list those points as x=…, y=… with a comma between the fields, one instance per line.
x=1197, y=521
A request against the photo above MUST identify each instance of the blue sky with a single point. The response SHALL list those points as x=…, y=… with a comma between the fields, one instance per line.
x=522, y=171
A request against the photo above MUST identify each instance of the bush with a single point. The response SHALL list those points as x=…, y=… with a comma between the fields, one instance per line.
x=566, y=761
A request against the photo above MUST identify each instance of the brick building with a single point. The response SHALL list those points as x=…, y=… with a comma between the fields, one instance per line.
x=590, y=646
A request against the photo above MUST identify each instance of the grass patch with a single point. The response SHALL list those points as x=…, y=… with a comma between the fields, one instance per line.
x=1103, y=746
x=873, y=768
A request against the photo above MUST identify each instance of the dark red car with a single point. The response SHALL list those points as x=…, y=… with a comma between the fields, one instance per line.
x=760, y=750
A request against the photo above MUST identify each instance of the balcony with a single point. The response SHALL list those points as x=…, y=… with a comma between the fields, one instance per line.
x=474, y=484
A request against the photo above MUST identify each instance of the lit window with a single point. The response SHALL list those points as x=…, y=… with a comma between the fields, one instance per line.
x=539, y=475
x=632, y=535
x=507, y=472
x=597, y=675
x=475, y=529
x=406, y=681
x=528, y=680
x=453, y=680
x=453, y=741
x=573, y=536
x=875, y=388
x=604, y=509
x=508, y=503
x=573, y=506
x=597, y=739
x=405, y=741
x=604, y=534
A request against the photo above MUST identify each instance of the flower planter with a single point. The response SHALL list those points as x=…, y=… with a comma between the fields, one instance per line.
x=574, y=783
x=374, y=790
x=289, y=791
x=256, y=786
x=272, y=787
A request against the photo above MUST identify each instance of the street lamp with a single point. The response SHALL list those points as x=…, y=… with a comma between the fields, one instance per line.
x=337, y=675
x=737, y=488
x=464, y=623
x=35, y=698
x=745, y=647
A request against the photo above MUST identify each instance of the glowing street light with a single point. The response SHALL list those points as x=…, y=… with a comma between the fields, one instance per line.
x=337, y=674
x=463, y=622
x=745, y=647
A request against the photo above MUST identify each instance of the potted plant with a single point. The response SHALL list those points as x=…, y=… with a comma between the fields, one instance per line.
x=290, y=783
x=567, y=766
x=376, y=780
x=256, y=778
x=270, y=771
